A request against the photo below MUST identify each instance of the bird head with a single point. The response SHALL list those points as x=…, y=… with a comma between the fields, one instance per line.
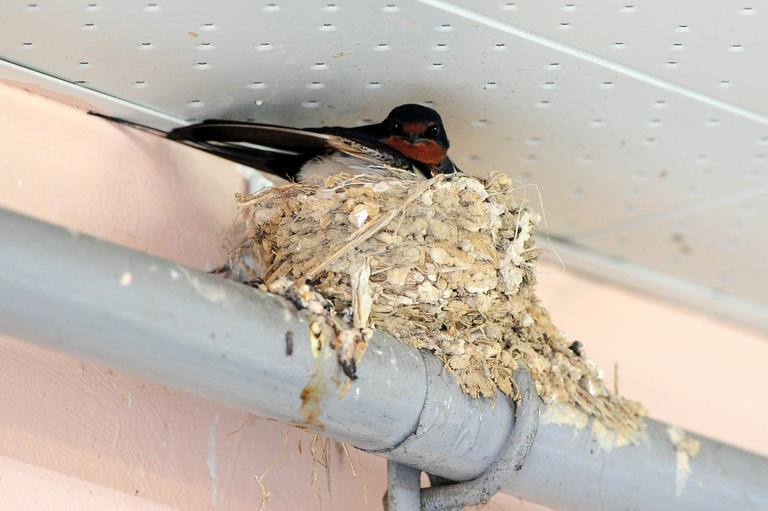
x=417, y=132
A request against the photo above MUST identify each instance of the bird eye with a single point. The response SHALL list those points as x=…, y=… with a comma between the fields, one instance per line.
x=395, y=127
x=433, y=131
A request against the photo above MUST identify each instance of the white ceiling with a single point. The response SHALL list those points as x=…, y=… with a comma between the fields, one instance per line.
x=644, y=124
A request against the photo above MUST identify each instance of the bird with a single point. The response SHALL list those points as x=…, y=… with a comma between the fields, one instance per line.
x=411, y=138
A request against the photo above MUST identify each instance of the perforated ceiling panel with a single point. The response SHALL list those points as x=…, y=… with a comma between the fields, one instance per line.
x=644, y=124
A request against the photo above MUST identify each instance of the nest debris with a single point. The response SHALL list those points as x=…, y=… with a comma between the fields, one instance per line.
x=444, y=264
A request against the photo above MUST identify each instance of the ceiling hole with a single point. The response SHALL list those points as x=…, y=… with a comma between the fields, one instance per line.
x=264, y=46
x=272, y=7
x=736, y=48
x=195, y=103
x=310, y=103
x=607, y=85
x=32, y=7
x=549, y=85
x=617, y=46
x=569, y=7
x=628, y=8
x=327, y=27
x=202, y=66
x=205, y=46
x=445, y=27
x=80, y=82
x=440, y=47
x=83, y=64
x=682, y=28
x=649, y=141
x=661, y=103
x=437, y=66
x=89, y=26
x=480, y=123
x=140, y=84
x=596, y=123
x=152, y=7
x=545, y=103
x=509, y=6
x=671, y=64
x=383, y=47
x=374, y=85
x=259, y=102
x=92, y=7
x=208, y=27
x=655, y=123
x=490, y=85
x=533, y=141
x=257, y=85
x=146, y=46
x=331, y=7
x=552, y=66
x=726, y=84
x=677, y=47
x=315, y=85
x=319, y=66
x=564, y=26
x=500, y=46
x=390, y=8
x=27, y=46
x=713, y=123
x=747, y=11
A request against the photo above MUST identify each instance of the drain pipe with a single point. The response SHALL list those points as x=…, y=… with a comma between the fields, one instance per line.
x=155, y=318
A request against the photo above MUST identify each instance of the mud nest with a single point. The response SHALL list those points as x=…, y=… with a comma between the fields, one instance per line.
x=444, y=264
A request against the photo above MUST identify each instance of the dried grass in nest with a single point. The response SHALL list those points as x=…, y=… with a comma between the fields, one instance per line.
x=444, y=264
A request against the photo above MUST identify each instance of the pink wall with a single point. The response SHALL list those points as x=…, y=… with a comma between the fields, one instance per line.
x=75, y=435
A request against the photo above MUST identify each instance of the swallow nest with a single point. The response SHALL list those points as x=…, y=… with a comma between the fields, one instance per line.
x=444, y=264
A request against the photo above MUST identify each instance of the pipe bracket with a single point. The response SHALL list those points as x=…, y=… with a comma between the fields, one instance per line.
x=454, y=496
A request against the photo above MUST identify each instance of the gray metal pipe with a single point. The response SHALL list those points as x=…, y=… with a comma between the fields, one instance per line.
x=158, y=319
x=568, y=469
x=191, y=330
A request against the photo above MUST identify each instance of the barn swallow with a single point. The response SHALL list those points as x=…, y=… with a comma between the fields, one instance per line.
x=411, y=138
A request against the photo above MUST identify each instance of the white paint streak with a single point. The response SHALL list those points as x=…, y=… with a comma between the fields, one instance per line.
x=211, y=293
x=116, y=438
x=211, y=460
x=607, y=438
x=685, y=448
x=564, y=413
x=126, y=278
x=130, y=400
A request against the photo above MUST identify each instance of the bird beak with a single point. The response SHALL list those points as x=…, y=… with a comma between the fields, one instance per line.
x=413, y=138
